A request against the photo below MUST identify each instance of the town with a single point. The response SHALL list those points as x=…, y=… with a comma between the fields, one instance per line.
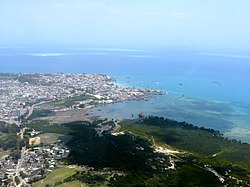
x=18, y=92
x=33, y=165
x=21, y=95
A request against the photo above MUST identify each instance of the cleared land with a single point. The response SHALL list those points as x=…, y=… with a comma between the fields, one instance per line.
x=56, y=176
x=71, y=115
x=3, y=153
x=48, y=138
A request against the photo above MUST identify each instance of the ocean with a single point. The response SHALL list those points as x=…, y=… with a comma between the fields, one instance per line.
x=206, y=88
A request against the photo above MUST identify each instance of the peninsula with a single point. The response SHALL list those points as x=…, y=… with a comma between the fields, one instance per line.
x=49, y=138
x=19, y=92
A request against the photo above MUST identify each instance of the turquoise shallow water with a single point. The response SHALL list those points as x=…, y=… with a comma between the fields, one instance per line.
x=204, y=88
x=205, y=103
x=230, y=120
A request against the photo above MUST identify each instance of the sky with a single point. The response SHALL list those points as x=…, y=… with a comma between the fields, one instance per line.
x=206, y=24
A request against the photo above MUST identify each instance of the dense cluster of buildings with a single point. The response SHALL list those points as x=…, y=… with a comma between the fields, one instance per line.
x=41, y=160
x=20, y=93
x=17, y=91
x=34, y=164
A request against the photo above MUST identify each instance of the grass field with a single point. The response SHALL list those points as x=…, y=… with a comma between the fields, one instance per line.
x=73, y=184
x=35, y=123
x=56, y=176
x=71, y=100
x=49, y=138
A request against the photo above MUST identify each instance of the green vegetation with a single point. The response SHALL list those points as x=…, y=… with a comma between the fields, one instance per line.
x=49, y=138
x=46, y=127
x=41, y=113
x=89, y=178
x=9, y=141
x=72, y=184
x=3, y=153
x=17, y=180
x=8, y=137
x=186, y=175
x=56, y=176
x=68, y=102
x=206, y=145
x=177, y=136
x=127, y=154
x=108, y=151
x=30, y=78
x=50, y=133
x=133, y=161
x=199, y=141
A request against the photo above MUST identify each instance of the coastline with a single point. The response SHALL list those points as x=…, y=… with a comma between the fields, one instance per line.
x=209, y=114
x=218, y=115
x=21, y=91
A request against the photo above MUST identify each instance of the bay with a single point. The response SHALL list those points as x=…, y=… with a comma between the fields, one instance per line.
x=204, y=88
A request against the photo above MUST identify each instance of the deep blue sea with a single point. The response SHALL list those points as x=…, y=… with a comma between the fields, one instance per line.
x=207, y=88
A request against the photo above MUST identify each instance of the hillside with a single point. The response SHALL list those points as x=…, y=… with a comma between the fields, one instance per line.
x=152, y=152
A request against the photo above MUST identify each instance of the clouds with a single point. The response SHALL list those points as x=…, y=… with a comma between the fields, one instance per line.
x=225, y=55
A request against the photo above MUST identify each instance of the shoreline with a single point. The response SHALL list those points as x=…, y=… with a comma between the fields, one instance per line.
x=21, y=91
x=228, y=121
x=218, y=115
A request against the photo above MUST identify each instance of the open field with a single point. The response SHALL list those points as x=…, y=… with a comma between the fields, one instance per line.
x=72, y=115
x=71, y=100
x=36, y=123
x=49, y=138
x=73, y=184
x=56, y=176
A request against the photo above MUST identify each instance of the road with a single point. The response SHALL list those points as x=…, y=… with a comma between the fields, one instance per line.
x=19, y=166
x=20, y=162
x=31, y=109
